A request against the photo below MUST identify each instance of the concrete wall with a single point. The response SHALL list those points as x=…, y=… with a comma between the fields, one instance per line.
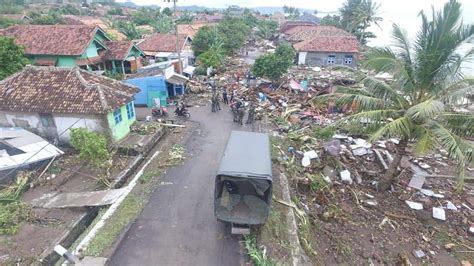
x=120, y=130
x=62, y=61
x=60, y=129
x=321, y=58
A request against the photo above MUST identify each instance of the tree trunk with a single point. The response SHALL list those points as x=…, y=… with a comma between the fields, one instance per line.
x=391, y=173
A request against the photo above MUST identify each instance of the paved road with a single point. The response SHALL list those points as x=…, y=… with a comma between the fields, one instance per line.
x=178, y=227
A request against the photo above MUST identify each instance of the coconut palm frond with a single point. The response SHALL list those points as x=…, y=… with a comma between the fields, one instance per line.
x=425, y=110
x=460, y=124
x=425, y=143
x=458, y=91
x=374, y=116
x=450, y=142
x=362, y=102
x=403, y=46
x=381, y=89
x=400, y=127
x=385, y=60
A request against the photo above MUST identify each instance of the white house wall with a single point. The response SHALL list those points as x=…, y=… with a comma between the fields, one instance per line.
x=32, y=122
x=302, y=58
x=63, y=122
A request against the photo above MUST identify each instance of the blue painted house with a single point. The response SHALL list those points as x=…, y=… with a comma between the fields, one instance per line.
x=151, y=87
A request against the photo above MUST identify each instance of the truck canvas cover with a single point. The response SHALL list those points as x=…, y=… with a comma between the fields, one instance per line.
x=244, y=180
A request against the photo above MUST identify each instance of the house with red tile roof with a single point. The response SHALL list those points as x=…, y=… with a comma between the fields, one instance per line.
x=162, y=47
x=88, y=47
x=49, y=101
x=325, y=50
x=319, y=45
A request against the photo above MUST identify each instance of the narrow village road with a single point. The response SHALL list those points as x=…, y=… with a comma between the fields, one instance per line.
x=178, y=227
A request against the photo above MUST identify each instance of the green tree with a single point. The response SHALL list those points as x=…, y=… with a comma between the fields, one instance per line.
x=205, y=37
x=129, y=29
x=115, y=11
x=214, y=56
x=249, y=19
x=358, y=15
x=186, y=18
x=333, y=20
x=293, y=12
x=266, y=29
x=163, y=24
x=52, y=18
x=234, y=33
x=418, y=105
x=167, y=11
x=12, y=57
x=145, y=16
x=273, y=66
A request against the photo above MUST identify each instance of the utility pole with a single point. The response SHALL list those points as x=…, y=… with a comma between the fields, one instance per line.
x=178, y=48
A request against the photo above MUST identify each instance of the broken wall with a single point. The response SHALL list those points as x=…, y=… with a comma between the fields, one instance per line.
x=321, y=59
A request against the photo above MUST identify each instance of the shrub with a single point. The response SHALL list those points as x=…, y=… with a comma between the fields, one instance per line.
x=12, y=215
x=92, y=147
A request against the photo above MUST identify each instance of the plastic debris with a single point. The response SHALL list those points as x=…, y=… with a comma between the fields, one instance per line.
x=424, y=165
x=306, y=161
x=417, y=181
x=451, y=206
x=360, y=151
x=346, y=176
x=414, y=205
x=419, y=253
x=439, y=213
x=427, y=192
x=311, y=154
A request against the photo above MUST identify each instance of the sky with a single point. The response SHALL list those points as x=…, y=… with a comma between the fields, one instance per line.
x=402, y=12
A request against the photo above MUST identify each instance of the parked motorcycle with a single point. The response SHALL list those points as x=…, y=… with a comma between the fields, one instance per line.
x=158, y=112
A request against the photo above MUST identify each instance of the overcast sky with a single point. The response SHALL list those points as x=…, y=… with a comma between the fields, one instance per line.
x=402, y=12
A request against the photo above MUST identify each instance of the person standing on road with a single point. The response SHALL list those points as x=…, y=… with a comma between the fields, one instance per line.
x=216, y=100
x=241, y=112
x=251, y=115
x=224, y=97
x=213, y=103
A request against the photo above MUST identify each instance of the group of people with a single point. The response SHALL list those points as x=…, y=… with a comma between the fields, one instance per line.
x=237, y=106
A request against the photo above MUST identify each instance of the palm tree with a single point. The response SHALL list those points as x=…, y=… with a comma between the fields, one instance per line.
x=266, y=29
x=358, y=15
x=418, y=104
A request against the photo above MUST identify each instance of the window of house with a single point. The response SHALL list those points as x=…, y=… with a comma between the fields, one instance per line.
x=117, y=116
x=331, y=59
x=130, y=111
x=47, y=120
x=348, y=60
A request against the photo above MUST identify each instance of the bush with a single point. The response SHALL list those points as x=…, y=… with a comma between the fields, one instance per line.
x=323, y=133
x=92, y=147
x=201, y=70
x=12, y=215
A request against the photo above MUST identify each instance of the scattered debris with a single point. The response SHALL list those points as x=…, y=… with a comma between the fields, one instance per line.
x=439, y=213
x=414, y=205
x=419, y=253
x=346, y=177
x=417, y=182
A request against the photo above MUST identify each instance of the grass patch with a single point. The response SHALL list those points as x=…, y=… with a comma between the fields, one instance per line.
x=176, y=155
x=147, y=176
x=105, y=238
x=306, y=234
x=257, y=255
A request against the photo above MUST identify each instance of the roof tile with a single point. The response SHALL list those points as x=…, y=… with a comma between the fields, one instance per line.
x=63, y=90
x=52, y=39
x=329, y=44
x=160, y=42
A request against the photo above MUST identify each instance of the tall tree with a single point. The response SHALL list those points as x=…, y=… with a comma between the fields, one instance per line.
x=205, y=38
x=418, y=104
x=266, y=29
x=163, y=24
x=358, y=15
x=273, y=66
x=234, y=32
x=12, y=57
x=129, y=29
x=333, y=20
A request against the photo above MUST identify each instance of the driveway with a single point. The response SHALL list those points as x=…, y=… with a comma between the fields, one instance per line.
x=177, y=227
